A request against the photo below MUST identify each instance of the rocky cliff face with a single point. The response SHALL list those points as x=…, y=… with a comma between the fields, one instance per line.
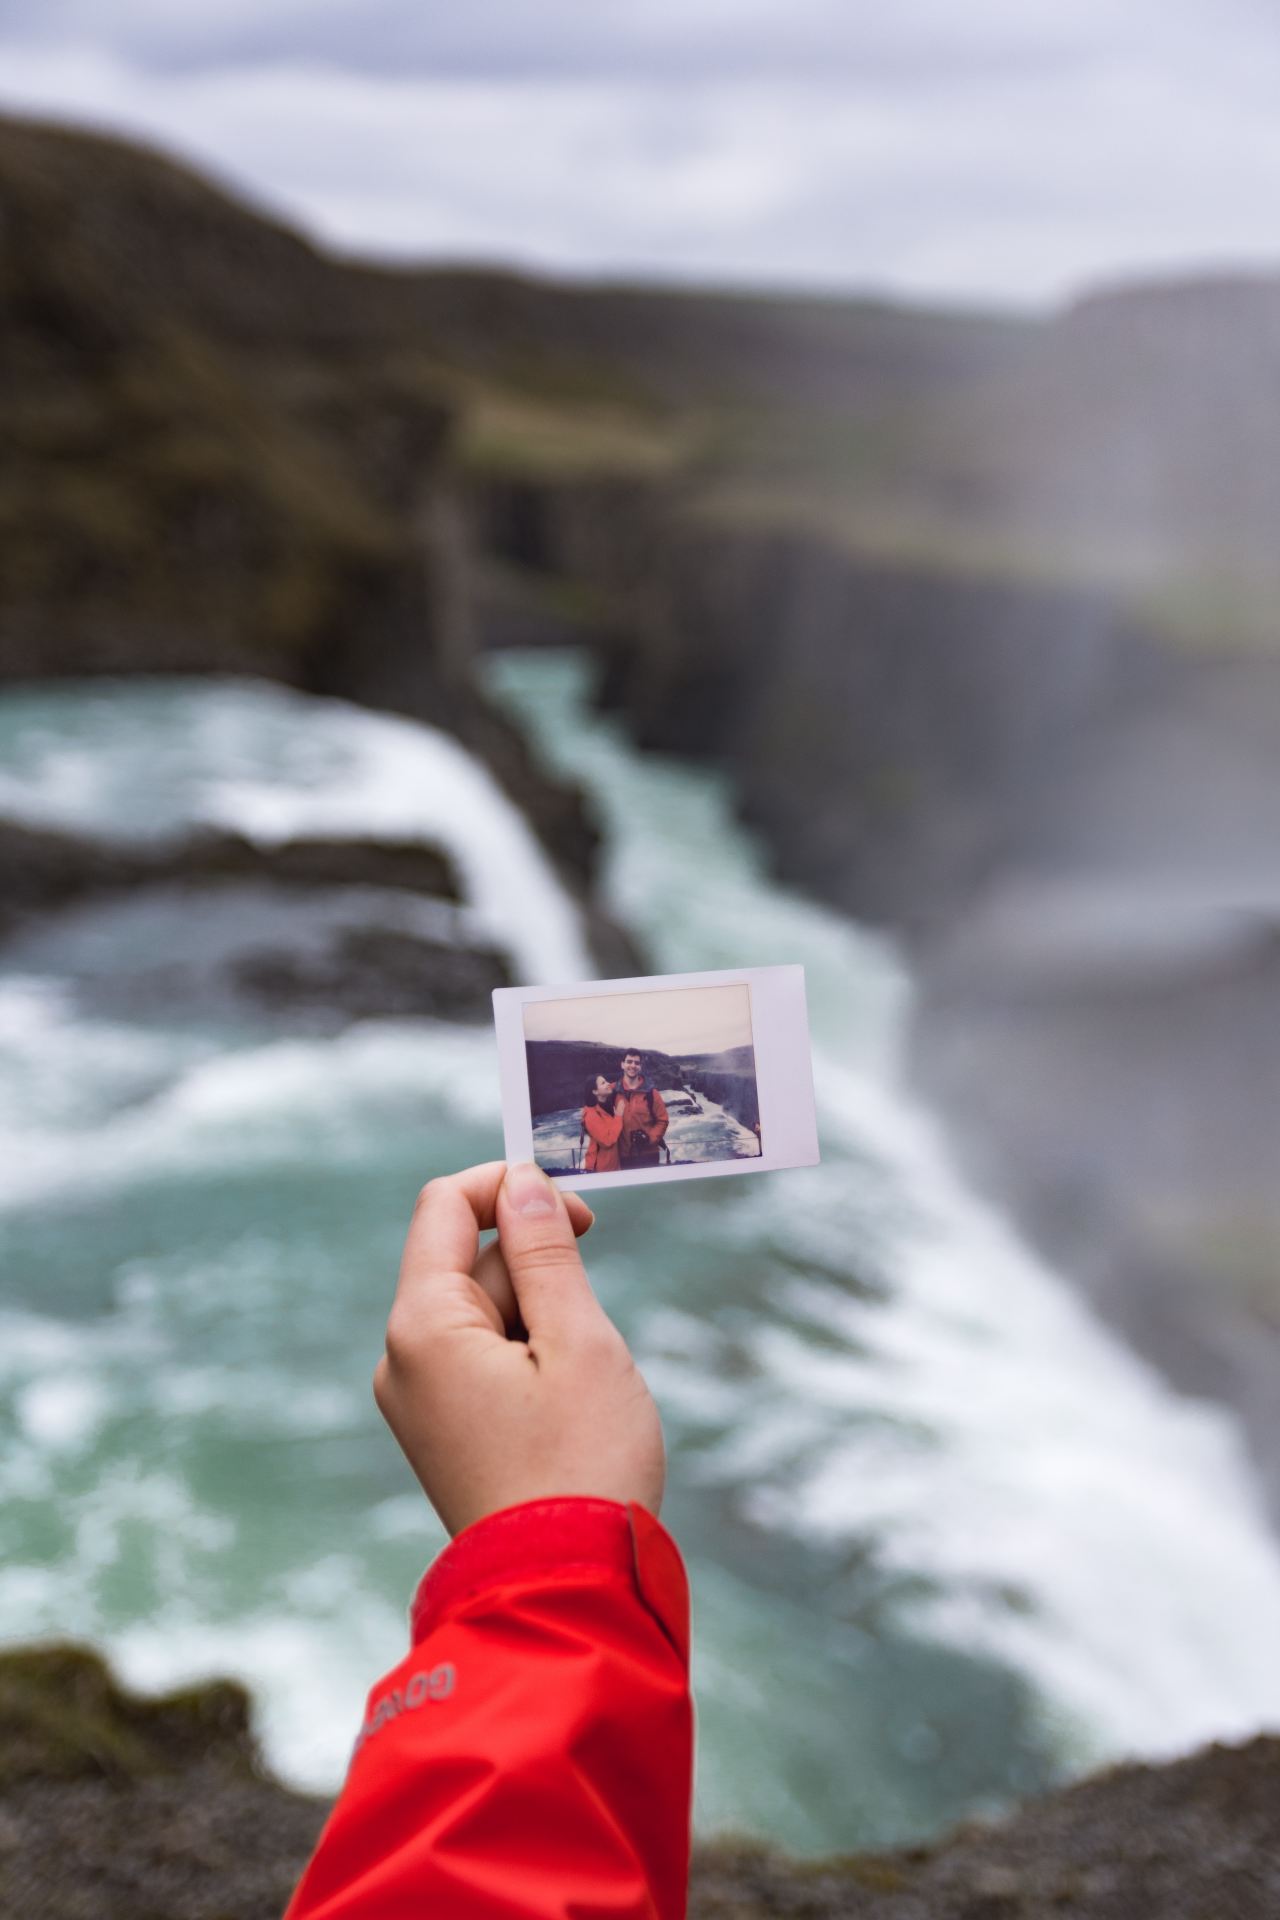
x=219, y=457
x=198, y=476
x=890, y=725
x=1073, y=823
x=889, y=728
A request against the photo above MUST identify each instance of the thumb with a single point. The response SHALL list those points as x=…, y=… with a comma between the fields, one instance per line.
x=538, y=1244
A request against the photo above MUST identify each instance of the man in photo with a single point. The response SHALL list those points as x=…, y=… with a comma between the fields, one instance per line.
x=644, y=1114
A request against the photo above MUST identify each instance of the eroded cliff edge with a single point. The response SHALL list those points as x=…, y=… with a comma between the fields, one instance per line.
x=115, y=1805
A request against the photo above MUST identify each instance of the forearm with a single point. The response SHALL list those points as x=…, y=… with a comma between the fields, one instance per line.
x=532, y=1755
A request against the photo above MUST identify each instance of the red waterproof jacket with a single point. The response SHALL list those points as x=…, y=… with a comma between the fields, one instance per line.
x=645, y=1113
x=531, y=1757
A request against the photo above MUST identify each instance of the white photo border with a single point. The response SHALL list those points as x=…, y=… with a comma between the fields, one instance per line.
x=783, y=1063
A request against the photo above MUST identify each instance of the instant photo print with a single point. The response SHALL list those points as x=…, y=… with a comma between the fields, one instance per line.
x=678, y=1076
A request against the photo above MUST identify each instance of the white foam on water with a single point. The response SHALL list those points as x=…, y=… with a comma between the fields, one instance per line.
x=310, y=1675
x=275, y=764
x=280, y=1101
x=405, y=780
x=61, y=1413
x=105, y=1518
x=30, y=1341
x=310, y=1654
x=56, y=1067
x=1071, y=1515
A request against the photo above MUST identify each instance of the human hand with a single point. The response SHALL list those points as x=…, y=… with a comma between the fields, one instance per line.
x=504, y=1380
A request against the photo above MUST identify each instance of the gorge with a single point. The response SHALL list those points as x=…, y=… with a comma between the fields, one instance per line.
x=972, y=613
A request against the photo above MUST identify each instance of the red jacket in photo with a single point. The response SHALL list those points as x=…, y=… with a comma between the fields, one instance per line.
x=531, y=1757
x=645, y=1113
x=605, y=1130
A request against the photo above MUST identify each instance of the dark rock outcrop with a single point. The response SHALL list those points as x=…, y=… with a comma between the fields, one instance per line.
x=115, y=1807
x=42, y=870
x=374, y=972
x=306, y=929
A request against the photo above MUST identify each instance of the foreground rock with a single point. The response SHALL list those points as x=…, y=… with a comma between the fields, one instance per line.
x=1195, y=1840
x=114, y=1807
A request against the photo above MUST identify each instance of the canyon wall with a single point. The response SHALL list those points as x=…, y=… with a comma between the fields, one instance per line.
x=1073, y=825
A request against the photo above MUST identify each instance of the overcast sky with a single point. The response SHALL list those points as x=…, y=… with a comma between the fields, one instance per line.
x=676, y=1020
x=1009, y=150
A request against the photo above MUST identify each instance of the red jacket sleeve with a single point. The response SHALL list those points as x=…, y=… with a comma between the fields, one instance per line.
x=531, y=1758
x=602, y=1126
x=661, y=1118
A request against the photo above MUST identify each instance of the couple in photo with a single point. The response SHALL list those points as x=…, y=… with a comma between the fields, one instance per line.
x=624, y=1120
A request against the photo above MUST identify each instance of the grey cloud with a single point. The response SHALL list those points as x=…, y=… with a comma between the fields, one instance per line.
x=671, y=40
x=1156, y=142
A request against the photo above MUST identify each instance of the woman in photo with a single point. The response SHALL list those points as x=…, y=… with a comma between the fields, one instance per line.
x=602, y=1119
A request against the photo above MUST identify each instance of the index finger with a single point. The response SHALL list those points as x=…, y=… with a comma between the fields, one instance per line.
x=450, y=1214
x=444, y=1232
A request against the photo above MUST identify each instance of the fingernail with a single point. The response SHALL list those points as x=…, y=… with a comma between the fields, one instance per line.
x=529, y=1190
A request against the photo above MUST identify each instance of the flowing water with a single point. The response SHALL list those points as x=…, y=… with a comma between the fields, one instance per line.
x=948, y=1541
